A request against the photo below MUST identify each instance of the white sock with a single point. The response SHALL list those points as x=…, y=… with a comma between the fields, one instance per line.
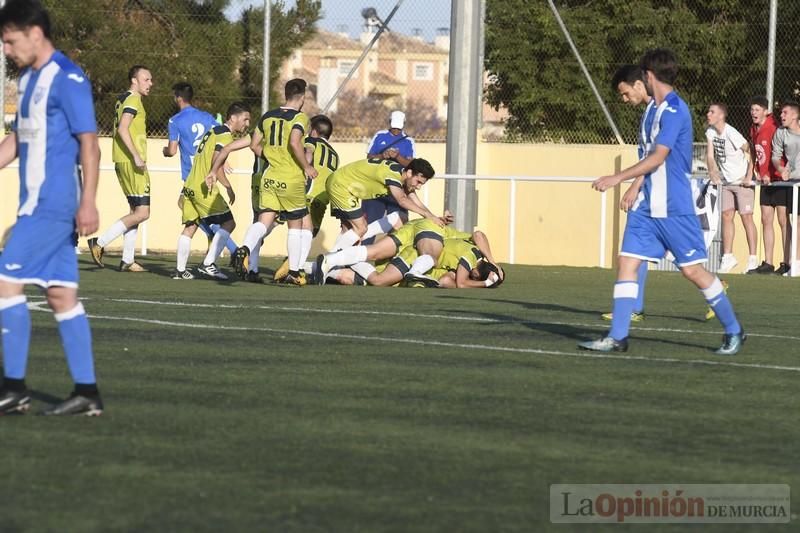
x=421, y=265
x=346, y=240
x=348, y=256
x=255, y=233
x=309, y=267
x=306, y=236
x=255, y=256
x=111, y=234
x=294, y=245
x=217, y=245
x=184, y=248
x=363, y=269
x=129, y=244
x=383, y=225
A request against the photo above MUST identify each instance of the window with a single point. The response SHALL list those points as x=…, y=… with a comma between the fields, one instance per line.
x=345, y=65
x=423, y=71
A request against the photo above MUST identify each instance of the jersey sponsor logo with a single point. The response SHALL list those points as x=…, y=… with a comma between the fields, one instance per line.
x=13, y=266
x=76, y=78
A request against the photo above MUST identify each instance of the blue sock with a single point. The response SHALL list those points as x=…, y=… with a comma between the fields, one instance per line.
x=230, y=245
x=625, y=293
x=719, y=302
x=16, y=323
x=641, y=279
x=76, y=337
x=206, y=229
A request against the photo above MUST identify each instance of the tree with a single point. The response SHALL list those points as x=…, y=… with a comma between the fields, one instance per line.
x=721, y=44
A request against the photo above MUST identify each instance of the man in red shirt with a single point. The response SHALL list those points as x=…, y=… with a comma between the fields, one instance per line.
x=773, y=199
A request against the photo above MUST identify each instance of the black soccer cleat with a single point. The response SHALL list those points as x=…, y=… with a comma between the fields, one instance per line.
x=76, y=404
x=14, y=401
x=241, y=261
x=254, y=277
x=420, y=280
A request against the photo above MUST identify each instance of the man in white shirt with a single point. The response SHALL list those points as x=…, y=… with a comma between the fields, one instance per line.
x=730, y=164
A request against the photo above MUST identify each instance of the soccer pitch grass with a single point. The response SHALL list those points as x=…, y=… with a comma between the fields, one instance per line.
x=238, y=407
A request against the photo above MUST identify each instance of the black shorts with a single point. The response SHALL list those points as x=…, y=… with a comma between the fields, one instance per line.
x=775, y=196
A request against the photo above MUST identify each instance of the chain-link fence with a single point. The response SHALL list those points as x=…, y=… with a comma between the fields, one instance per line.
x=722, y=49
x=534, y=88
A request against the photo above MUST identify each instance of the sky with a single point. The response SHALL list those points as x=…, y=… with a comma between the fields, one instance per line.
x=345, y=15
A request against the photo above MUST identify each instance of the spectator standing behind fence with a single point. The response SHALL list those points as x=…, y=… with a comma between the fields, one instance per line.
x=397, y=145
x=730, y=164
x=129, y=153
x=772, y=199
x=785, y=157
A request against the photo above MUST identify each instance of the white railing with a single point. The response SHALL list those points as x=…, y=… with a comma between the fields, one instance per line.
x=512, y=211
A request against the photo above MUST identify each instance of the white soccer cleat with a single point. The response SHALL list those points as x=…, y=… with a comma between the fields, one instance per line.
x=727, y=264
x=211, y=271
x=752, y=263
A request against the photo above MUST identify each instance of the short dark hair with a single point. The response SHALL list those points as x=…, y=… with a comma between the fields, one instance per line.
x=662, y=63
x=236, y=108
x=791, y=103
x=294, y=88
x=322, y=125
x=134, y=70
x=421, y=166
x=760, y=101
x=24, y=14
x=722, y=107
x=629, y=74
x=183, y=90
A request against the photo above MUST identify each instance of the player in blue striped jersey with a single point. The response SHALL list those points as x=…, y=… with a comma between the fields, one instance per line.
x=663, y=217
x=54, y=131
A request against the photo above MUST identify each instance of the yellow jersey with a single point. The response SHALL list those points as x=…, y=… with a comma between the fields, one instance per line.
x=326, y=161
x=212, y=142
x=367, y=178
x=129, y=102
x=276, y=127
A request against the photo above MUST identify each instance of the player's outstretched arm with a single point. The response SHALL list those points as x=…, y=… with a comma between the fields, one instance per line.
x=219, y=158
x=87, y=218
x=482, y=242
x=463, y=280
x=8, y=149
x=404, y=201
x=645, y=166
x=255, y=142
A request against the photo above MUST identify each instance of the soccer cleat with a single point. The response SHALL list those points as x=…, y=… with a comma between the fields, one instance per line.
x=182, y=274
x=731, y=343
x=292, y=280
x=282, y=270
x=253, y=277
x=211, y=271
x=783, y=270
x=752, y=263
x=76, y=404
x=763, y=268
x=131, y=267
x=321, y=270
x=241, y=261
x=636, y=316
x=727, y=264
x=97, y=252
x=606, y=344
x=416, y=280
x=14, y=401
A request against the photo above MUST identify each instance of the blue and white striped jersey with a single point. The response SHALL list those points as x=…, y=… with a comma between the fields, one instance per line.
x=55, y=105
x=667, y=190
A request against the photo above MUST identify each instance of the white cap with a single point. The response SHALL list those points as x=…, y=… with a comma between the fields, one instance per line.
x=398, y=120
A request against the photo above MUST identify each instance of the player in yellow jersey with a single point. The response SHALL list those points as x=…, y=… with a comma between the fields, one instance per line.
x=129, y=153
x=322, y=155
x=279, y=138
x=375, y=178
x=203, y=202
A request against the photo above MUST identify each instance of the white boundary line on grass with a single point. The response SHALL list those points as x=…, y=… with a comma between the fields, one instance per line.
x=434, y=316
x=588, y=355
x=585, y=355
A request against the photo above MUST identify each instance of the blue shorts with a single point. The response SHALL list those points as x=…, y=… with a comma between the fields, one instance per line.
x=649, y=238
x=41, y=251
